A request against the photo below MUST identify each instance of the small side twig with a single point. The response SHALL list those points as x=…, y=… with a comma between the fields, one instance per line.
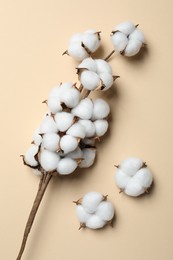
x=108, y=57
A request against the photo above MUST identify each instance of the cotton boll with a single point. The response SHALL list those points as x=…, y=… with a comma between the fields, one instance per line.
x=105, y=210
x=91, y=40
x=77, y=37
x=29, y=157
x=125, y=27
x=144, y=176
x=54, y=105
x=49, y=160
x=131, y=165
x=66, y=166
x=91, y=200
x=68, y=143
x=76, y=130
x=88, y=126
x=103, y=66
x=88, y=64
x=101, y=109
x=76, y=154
x=89, y=155
x=89, y=80
x=48, y=125
x=76, y=51
x=70, y=97
x=101, y=127
x=55, y=92
x=119, y=41
x=121, y=179
x=63, y=120
x=137, y=35
x=134, y=188
x=107, y=80
x=133, y=47
x=95, y=222
x=82, y=215
x=37, y=139
x=51, y=141
x=84, y=109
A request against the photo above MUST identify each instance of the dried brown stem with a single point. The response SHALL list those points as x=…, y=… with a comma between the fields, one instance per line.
x=108, y=57
x=44, y=181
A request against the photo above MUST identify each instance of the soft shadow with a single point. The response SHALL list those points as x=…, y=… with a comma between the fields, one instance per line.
x=140, y=57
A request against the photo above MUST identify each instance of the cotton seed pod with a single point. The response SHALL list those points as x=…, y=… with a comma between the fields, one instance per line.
x=66, y=166
x=88, y=64
x=127, y=39
x=76, y=130
x=51, y=141
x=101, y=127
x=63, y=120
x=89, y=80
x=76, y=154
x=101, y=109
x=54, y=105
x=49, y=160
x=68, y=143
x=93, y=211
x=84, y=109
x=133, y=177
x=36, y=137
x=48, y=125
x=91, y=40
x=89, y=155
x=76, y=51
x=70, y=97
x=103, y=66
x=30, y=154
x=89, y=127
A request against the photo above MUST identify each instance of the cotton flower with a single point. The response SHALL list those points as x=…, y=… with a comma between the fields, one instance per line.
x=84, y=109
x=81, y=45
x=51, y=141
x=48, y=125
x=101, y=109
x=89, y=155
x=101, y=127
x=63, y=120
x=49, y=160
x=68, y=143
x=133, y=177
x=94, y=211
x=95, y=74
x=127, y=39
x=66, y=166
x=77, y=130
x=89, y=127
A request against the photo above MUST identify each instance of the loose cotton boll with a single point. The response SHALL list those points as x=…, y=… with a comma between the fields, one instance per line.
x=76, y=154
x=119, y=41
x=63, y=120
x=30, y=154
x=68, y=143
x=70, y=97
x=88, y=126
x=103, y=66
x=76, y=130
x=101, y=127
x=132, y=48
x=48, y=125
x=89, y=155
x=91, y=40
x=37, y=139
x=89, y=80
x=125, y=27
x=51, y=142
x=101, y=109
x=107, y=80
x=88, y=64
x=49, y=160
x=66, y=166
x=84, y=109
x=91, y=200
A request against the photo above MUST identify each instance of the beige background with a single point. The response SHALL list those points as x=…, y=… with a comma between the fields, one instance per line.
x=33, y=36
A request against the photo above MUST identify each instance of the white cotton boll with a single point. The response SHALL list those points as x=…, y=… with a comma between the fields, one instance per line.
x=54, y=105
x=103, y=66
x=91, y=200
x=134, y=188
x=76, y=51
x=125, y=27
x=144, y=177
x=131, y=165
x=89, y=155
x=82, y=215
x=105, y=210
x=89, y=80
x=77, y=37
x=37, y=139
x=55, y=92
x=101, y=127
x=51, y=141
x=89, y=141
x=88, y=64
x=121, y=179
x=68, y=143
x=48, y=125
x=137, y=35
x=84, y=109
x=76, y=154
x=88, y=126
x=29, y=157
x=101, y=109
x=49, y=160
x=63, y=120
x=132, y=48
x=70, y=97
x=119, y=41
x=76, y=130
x=66, y=166
x=95, y=222
x=107, y=80
x=91, y=40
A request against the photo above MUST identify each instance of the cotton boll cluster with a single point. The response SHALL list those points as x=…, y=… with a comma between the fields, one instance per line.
x=127, y=39
x=94, y=211
x=66, y=138
x=133, y=177
x=95, y=74
x=81, y=45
